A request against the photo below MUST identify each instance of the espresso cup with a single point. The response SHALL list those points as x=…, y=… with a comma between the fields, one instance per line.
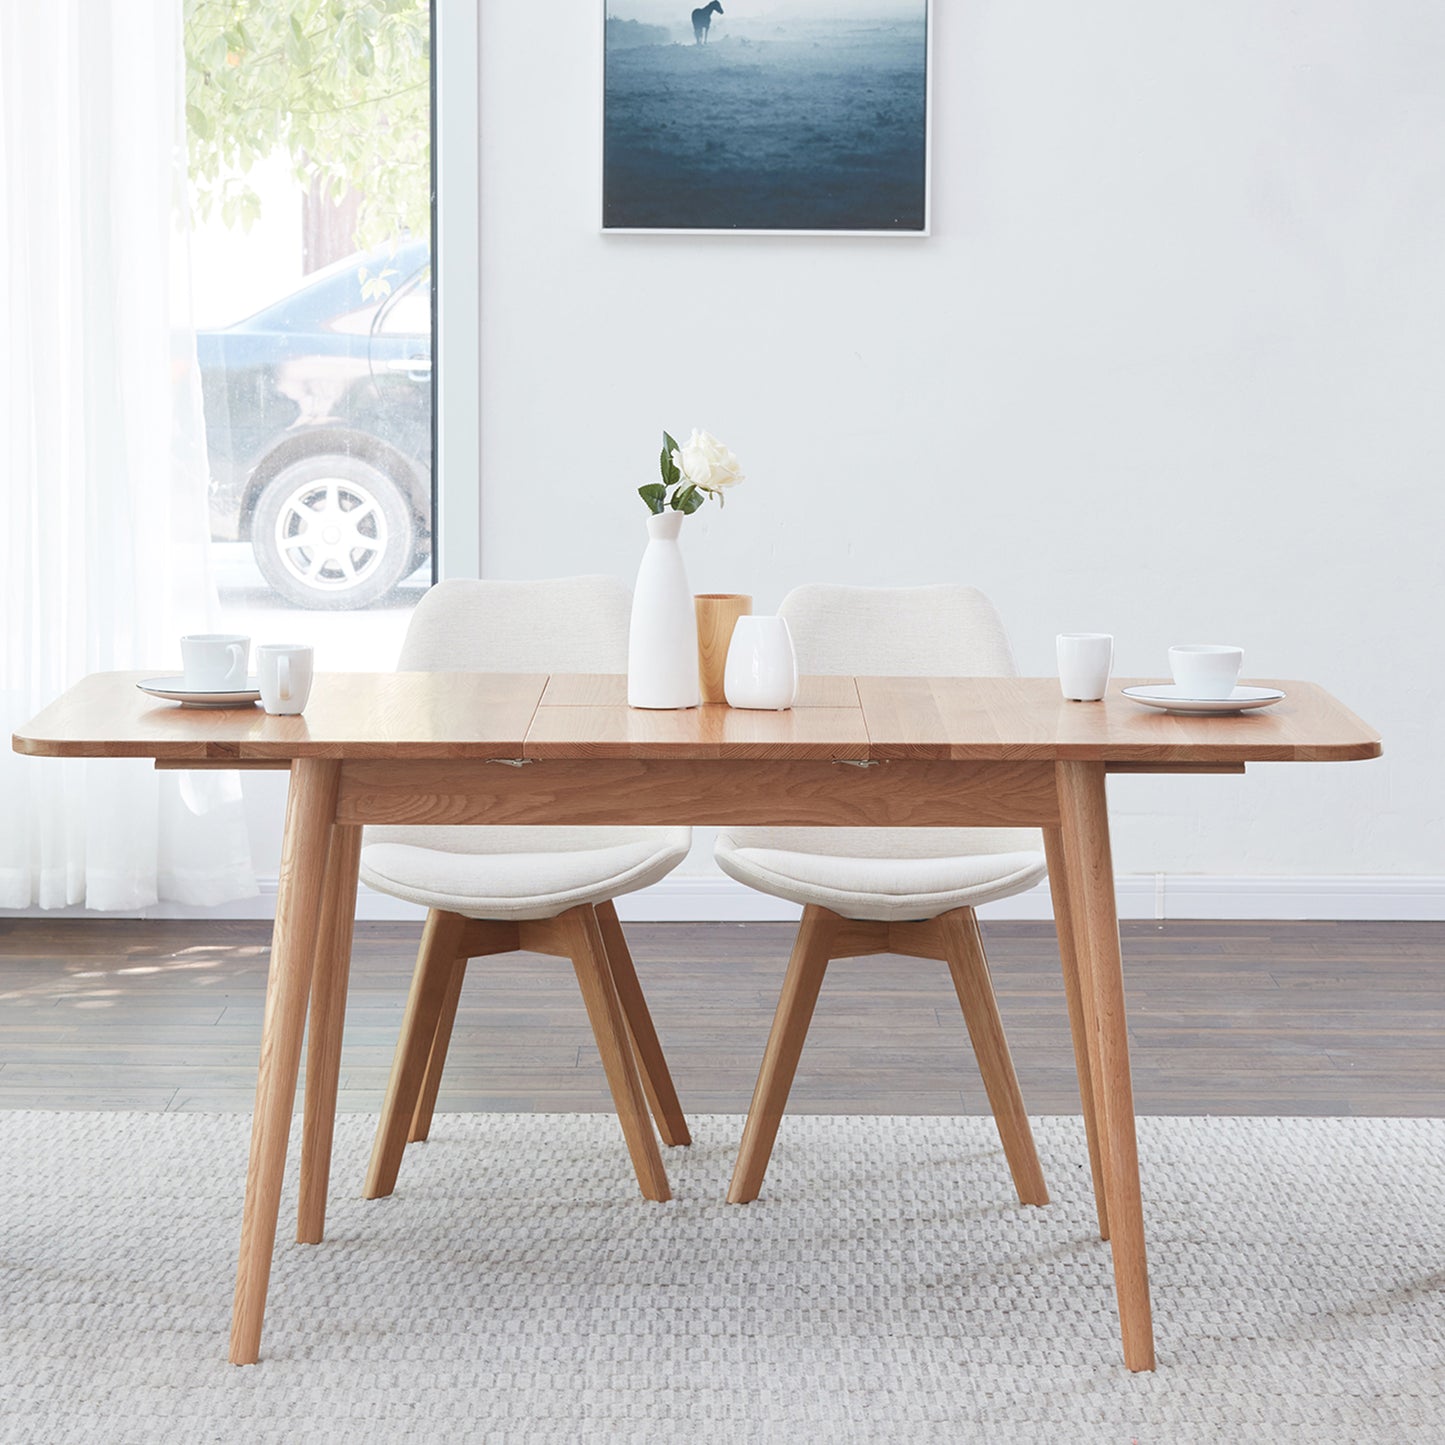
x=283, y=673
x=215, y=661
x=1205, y=670
x=1085, y=661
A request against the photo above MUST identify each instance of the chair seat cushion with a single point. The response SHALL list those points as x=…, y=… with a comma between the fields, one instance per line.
x=886, y=874
x=517, y=873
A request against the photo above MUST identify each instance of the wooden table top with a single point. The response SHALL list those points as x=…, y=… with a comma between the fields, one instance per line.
x=400, y=716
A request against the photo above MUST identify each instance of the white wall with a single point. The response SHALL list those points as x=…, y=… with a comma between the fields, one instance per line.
x=1169, y=367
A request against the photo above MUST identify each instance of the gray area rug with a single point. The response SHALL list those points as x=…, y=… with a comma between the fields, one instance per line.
x=886, y=1287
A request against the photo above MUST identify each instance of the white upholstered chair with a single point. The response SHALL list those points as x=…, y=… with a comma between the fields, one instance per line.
x=543, y=889
x=889, y=890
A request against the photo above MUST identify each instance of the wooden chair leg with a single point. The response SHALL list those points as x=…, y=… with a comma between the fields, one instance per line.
x=426, y=1101
x=804, y=978
x=1080, y=1007
x=969, y=967
x=656, y=1079
x=578, y=931
x=435, y=966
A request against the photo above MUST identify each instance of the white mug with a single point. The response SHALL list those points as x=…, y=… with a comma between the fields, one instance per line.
x=762, y=669
x=1205, y=670
x=283, y=673
x=1085, y=661
x=215, y=661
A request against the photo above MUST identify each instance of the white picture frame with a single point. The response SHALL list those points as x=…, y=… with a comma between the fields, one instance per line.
x=618, y=206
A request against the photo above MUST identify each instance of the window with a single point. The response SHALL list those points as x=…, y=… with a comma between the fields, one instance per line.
x=310, y=128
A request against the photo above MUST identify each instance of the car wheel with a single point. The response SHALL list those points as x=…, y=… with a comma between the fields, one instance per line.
x=332, y=531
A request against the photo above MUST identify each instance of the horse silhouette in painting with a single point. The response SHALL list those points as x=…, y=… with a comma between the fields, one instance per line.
x=702, y=21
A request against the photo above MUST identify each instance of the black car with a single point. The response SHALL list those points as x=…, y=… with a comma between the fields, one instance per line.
x=319, y=427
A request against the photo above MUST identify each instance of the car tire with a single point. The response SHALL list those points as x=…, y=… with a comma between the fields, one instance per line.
x=332, y=531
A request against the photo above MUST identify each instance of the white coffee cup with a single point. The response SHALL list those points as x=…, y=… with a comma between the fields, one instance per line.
x=215, y=661
x=762, y=669
x=1205, y=670
x=283, y=673
x=1085, y=661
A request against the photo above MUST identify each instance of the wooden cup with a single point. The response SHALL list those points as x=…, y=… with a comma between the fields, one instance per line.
x=717, y=612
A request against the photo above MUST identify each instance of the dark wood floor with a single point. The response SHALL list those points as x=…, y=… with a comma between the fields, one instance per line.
x=1226, y=1018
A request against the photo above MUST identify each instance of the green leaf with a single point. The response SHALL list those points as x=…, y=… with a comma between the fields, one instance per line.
x=670, y=474
x=687, y=500
x=297, y=46
x=653, y=495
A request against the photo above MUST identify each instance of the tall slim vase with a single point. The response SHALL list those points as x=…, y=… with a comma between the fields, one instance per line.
x=662, y=641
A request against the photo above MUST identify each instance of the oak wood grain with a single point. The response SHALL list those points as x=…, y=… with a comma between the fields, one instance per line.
x=967, y=963
x=352, y=715
x=717, y=614
x=1089, y=882
x=309, y=806
x=323, y=1035
x=573, y=689
x=677, y=791
x=801, y=983
x=1025, y=717
x=393, y=716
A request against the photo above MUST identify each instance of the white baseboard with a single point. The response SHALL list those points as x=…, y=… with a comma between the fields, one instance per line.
x=685, y=898
x=1155, y=896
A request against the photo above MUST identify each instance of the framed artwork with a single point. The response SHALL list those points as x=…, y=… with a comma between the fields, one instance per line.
x=766, y=117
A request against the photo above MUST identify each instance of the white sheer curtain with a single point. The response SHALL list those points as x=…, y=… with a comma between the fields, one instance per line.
x=103, y=529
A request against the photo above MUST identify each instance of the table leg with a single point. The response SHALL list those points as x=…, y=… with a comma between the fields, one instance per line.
x=310, y=808
x=1081, y=1015
x=323, y=1035
x=1084, y=827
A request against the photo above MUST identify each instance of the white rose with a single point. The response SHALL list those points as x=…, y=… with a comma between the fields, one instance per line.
x=707, y=463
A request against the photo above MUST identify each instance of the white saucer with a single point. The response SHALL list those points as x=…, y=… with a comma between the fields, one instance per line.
x=174, y=689
x=1174, y=699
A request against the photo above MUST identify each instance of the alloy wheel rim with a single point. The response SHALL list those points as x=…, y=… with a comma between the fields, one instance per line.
x=331, y=534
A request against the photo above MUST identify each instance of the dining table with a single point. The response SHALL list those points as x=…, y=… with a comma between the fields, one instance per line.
x=494, y=748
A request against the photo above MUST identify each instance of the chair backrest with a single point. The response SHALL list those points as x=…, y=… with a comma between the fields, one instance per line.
x=945, y=631
x=564, y=624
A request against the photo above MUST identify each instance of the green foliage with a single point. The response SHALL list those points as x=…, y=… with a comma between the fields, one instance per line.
x=343, y=87
x=685, y=498
x=670, y=474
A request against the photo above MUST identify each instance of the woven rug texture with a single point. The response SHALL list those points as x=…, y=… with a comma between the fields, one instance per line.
x=886, y=1287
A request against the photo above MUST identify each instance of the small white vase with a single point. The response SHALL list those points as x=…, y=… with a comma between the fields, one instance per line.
x=762, y=669
x=662, y=641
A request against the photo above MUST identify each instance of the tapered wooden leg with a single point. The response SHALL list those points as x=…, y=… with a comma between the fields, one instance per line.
x=968, y=964
x=1084, y=825
x=1081, y=1013
x=323, y=1035
x=435, y=965
x=806, y=967
x=579, y=930
x=656, y=1079
x=310, y=808
x=426, y=1100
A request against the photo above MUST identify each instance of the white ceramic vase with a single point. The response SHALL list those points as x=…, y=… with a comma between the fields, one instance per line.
x=662, y=641
x=762, y=669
